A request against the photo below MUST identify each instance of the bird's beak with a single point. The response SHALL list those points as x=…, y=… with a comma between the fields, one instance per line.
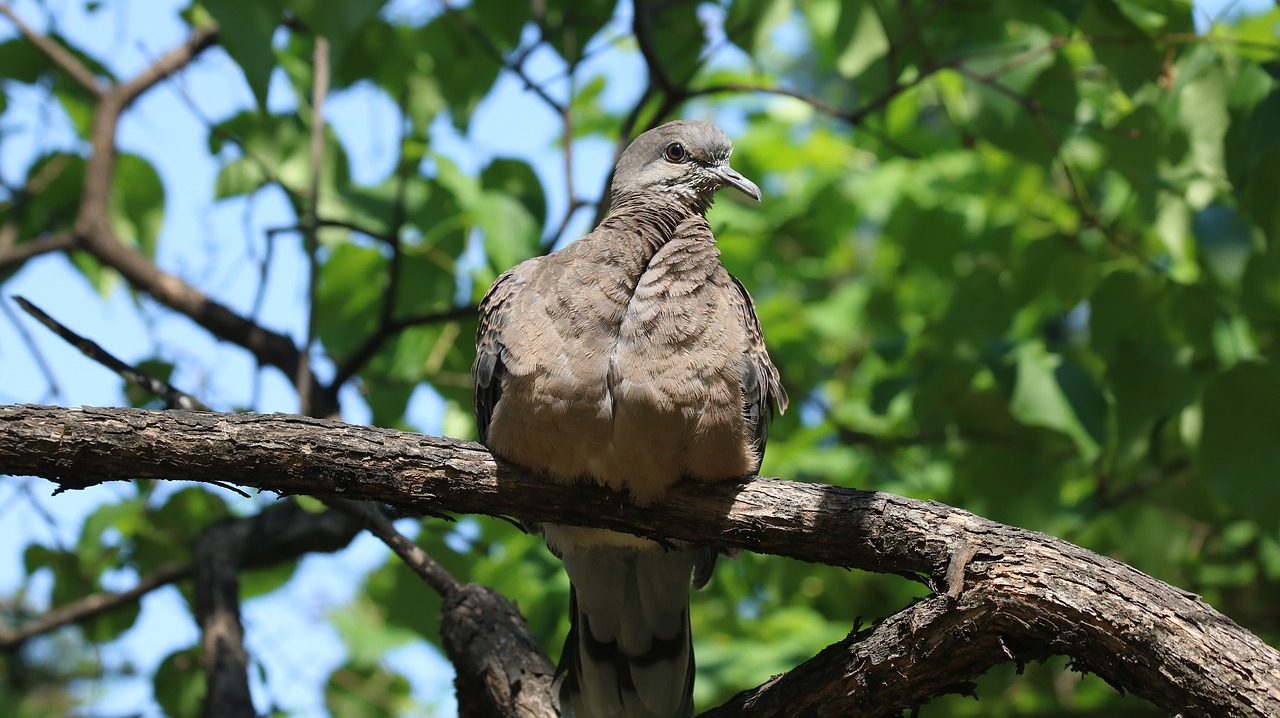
x=737, y=181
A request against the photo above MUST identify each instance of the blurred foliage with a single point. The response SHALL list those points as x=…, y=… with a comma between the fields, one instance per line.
x=1035, y=278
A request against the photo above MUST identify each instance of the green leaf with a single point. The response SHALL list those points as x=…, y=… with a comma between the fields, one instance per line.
x=124, y=517
x=1134, y=64
x=863, y=38
x=510, y=233
x=1202, y=108
x=350, y=290
x=137, y=204
x=179, y=684
x=1226, y=241
x=1149, y=385
x=517, y=179
x=471, y=70
x=1253, y=147
x=1239, y=453
x=335, y=20
x=169, y=531
x=261, y=581
x=1039, y=400
x=387, y=399
x=276, y=149
x=245, y=31
x=570, y=25
x=676, y=53
x=750, y=23
x=366, y=692
x=365, y=632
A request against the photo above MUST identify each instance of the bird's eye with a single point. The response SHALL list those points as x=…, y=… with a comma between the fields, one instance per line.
x=674, y=152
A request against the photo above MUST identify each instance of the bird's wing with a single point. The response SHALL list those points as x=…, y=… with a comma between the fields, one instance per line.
x=761, y=386
x=486, y=374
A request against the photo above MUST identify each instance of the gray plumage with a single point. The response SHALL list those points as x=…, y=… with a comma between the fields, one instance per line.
x=631, y=358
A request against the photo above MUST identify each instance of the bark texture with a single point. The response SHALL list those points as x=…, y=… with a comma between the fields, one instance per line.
x=1003, y=593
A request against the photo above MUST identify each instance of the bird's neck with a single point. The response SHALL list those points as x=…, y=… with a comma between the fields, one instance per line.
x=651, y=222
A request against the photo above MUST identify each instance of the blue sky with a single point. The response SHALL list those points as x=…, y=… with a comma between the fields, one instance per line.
x=213, y=246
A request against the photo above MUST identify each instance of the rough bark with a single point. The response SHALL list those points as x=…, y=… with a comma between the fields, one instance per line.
x=280, y=533
x=501, y=669
x=510, y=675
x=1004, y=593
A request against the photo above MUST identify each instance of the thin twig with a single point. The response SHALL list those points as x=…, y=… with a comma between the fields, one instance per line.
x=32, y=347
x=555, y=236
x=374, y=342
x=370, y=515
x=172, y=398
x=89, y=607
x=55, y=51
x=320, y=89
x=22, y=251
x=179, y=57
x=516, y=68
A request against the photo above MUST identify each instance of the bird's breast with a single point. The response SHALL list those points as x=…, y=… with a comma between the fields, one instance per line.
x=645, y=387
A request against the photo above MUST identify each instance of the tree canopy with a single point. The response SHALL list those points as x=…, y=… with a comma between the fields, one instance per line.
x=1018, y=257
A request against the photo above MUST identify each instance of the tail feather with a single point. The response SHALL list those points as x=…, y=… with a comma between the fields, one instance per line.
x=629, y=653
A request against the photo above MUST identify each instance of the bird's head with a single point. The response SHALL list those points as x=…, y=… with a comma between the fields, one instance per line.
x=684, y=161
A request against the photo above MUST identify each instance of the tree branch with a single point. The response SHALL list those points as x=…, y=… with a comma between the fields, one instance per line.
x=93, y=227
x=501, y=669
x=201, y=39
x=54, y=50
x=20, y=252
x=172, y=397
x=223, y=657
x=1141, y=635
x=89, y=607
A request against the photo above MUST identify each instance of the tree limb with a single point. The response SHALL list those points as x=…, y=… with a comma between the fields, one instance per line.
x=94, y=232
x=89, y=607
x=172, y=397
x=20, y=252
x=501, y=669
x=1024, y=593
x=58, y=54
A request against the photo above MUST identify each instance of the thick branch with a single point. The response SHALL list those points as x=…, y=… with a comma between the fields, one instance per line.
x=1141, y=635
x=223, y=658
x=280, y=533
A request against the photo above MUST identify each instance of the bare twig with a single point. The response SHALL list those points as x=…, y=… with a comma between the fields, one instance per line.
x=89, y=607
x=305, y=382
x=201, y=39
x=372, y=518
x=38, y=356
x=172, y=397
x=20, y=252
x=54, y=50
x=486, y=43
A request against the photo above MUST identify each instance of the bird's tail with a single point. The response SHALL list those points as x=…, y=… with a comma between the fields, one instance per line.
x=629, y=653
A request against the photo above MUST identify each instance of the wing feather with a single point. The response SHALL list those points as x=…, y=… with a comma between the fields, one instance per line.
x=488, y=370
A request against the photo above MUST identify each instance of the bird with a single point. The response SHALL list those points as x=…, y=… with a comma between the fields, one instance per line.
x=632, y=359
